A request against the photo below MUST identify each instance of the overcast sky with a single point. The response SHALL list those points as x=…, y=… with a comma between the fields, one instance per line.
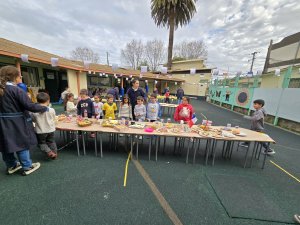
x=231, y=29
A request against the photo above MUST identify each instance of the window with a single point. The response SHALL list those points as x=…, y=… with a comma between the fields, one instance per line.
x=30, y=76
x=5, y=64
x=294, y=83
x=99, y=81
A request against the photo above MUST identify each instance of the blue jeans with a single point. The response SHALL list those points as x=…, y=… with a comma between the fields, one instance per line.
x=23, y=156
x=179, y=101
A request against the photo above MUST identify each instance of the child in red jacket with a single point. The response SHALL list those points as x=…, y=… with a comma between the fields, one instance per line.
x=184, y=111
x=167, y=96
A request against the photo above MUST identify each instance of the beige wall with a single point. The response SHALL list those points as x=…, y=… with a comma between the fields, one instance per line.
x=72, y=81
x=272, y=81
x=296, y=72
x=186, y=65
x=191, y=85
x=83, y=80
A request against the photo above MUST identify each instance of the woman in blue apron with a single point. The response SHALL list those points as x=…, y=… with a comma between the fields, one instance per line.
x=16, y=129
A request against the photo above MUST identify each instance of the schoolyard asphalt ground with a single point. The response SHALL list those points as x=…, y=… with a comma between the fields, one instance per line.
x=89, y=190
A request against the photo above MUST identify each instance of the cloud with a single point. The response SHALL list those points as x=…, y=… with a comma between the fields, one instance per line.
x=231, y=29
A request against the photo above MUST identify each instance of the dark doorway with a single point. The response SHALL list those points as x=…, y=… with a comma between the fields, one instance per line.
x=55, y=83
x=158, y=86
x=126, y=84
x=63, y=80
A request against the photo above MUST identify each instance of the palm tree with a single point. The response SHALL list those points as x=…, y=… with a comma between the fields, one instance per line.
x=171, y=14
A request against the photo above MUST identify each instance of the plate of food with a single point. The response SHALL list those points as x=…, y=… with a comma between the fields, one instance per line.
x=228, y=134
x=175, y=130
x=241, y=134
x=109, y=123
x=137, y=126
x=84, y=123
x=61, y=117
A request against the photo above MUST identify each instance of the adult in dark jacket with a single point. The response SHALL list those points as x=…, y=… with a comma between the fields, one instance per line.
x=133, y=92
x=114, y=92
x=179, y=95
x=16, y=129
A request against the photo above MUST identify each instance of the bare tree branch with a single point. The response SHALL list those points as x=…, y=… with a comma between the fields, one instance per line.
x=191, y=50
x=133, y=53
x=155, y=53
x=85, y=54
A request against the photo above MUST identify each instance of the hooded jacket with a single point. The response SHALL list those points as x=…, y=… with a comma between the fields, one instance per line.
x=257, y=119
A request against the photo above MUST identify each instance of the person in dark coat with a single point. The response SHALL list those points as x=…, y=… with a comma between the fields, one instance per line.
x=114, y=92
x=16, y=129
x=155, y=91
x=179, y=95
x=133, y=92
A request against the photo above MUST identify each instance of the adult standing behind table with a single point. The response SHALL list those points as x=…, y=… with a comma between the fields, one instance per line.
x=114, y=92
x=133, y=92
x=16, y=129
x=179, y=95
x=155, y=91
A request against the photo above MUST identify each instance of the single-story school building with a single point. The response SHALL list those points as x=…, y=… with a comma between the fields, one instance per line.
x=196, y=75
x=43, y=70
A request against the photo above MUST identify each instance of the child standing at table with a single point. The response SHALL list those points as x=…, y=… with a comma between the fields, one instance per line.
x=257, y=124
x=167, y=96
x=184, y=111
x=98, y=105
x=140, y=109
x=85, y=106
x=45, y=127
x=153, y=109
x=110, y=108
x=125, y=110
x=70, y=107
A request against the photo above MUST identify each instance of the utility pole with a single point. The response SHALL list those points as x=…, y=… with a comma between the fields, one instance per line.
x=253, y=59
x=107, y=58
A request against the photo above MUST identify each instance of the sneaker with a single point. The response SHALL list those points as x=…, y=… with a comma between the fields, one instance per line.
x=140, y=137
x=268, y=152
x=33, y=168
x=14, y=169
x=121, y=135
x=297, y=218
x=93, y=135
x=52, y=155
x=244, y=144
